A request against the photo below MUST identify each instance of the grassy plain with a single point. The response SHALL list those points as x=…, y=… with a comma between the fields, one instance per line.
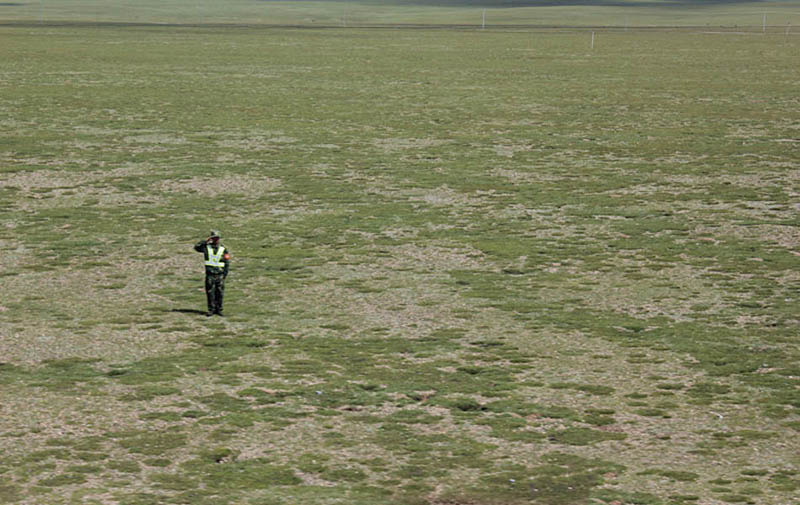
x=749, y=15
x=470, y=267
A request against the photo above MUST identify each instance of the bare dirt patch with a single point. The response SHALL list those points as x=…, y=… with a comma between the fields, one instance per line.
x=402, y=144
x=213, y=186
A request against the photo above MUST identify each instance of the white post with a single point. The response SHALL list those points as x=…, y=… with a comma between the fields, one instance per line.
x=483, y=21
x=764, y=24
x=592, y=40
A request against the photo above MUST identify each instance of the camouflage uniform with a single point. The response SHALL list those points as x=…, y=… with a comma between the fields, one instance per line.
x=217, y=262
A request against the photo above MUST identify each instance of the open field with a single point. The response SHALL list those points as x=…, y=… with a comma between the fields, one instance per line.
x=741, y=14
x=469, y=267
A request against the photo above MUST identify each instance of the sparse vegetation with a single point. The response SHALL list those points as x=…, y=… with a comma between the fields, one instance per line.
x=470, y=266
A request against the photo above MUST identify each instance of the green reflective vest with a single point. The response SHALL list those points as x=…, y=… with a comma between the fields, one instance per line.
x=215, y=260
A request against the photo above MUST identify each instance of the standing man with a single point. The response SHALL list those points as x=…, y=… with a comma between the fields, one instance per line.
x=217, y=264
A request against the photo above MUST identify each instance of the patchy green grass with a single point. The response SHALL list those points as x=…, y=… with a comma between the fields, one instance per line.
x=468, y=267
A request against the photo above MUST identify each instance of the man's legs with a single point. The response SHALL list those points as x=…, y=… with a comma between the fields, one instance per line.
x=210, y=295
x=219, y=293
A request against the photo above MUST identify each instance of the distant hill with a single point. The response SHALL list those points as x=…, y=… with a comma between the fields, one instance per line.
x=553, y=3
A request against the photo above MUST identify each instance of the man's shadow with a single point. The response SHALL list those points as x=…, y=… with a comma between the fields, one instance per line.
x=189, y=311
